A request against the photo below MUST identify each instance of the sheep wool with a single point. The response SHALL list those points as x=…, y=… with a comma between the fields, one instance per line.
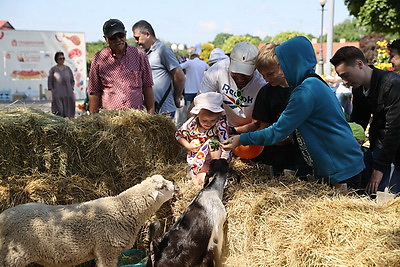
x=67, y=235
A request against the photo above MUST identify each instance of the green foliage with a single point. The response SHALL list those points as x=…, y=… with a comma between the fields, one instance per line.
x=234, y=40
x=284, y=36
x=354, y=6
x=91, y=49
x=131, y=41
x=381, y=16
x=181, y=53
x=214, y=144
x=94, y=47
x=220, y=39
x=348, y=30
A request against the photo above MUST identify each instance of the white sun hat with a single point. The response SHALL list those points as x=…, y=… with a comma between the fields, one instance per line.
x=211, y=101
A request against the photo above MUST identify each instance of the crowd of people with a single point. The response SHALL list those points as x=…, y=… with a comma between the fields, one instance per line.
x=270, y=97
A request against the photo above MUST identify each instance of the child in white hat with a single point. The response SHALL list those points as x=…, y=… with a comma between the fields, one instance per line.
x=201, y=133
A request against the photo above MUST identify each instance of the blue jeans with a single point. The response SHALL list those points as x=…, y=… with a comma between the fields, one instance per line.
x=189, y=98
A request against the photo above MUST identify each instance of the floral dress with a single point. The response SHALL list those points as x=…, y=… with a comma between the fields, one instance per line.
x=190, y=131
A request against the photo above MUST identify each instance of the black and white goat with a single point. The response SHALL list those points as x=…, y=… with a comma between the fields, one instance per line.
x=197, y=237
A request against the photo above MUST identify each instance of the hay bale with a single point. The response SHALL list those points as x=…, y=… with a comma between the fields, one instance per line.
x=119, y=144
x=285, y=222
x=49, y=189
x=271, y=222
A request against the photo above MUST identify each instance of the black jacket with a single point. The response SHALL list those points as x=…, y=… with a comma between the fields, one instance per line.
x=383, y=103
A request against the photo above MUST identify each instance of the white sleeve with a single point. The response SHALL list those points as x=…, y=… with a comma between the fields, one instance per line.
x=184, y=65
x=210, y=82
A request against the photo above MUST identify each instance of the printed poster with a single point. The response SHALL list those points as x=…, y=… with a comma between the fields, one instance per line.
x=27, y=56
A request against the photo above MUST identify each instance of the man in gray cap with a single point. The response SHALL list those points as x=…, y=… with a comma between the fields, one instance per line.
x=120, y=75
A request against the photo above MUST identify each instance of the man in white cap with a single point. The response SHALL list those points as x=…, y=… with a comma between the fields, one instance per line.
x=239, y=82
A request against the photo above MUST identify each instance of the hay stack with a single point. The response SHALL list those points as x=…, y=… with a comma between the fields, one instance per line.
x=285, y=222
x=48, y=189
x=118, y=144
x=278, y=222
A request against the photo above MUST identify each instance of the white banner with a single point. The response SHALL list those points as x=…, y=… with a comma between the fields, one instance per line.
x=27, y=56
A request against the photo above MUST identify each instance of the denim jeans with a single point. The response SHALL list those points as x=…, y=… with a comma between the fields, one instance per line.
x=189, y=98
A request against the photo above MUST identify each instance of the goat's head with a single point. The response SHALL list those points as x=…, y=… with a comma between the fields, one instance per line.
x=218, y=165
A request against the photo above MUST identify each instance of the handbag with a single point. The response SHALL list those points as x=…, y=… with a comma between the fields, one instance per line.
x=157, y=106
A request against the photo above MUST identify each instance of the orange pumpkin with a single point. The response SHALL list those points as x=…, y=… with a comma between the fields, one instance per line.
x=248, y=152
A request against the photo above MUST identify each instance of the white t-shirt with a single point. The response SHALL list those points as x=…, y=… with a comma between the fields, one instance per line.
x=195, y=69
x=218, y=79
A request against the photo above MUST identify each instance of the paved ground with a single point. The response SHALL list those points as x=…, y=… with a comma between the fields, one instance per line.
x=43, y=105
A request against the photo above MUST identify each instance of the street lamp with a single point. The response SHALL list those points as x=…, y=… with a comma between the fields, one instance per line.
x=321, y=53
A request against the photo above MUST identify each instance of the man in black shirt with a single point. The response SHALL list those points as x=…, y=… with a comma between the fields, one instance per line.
x=376, y=101
x=271, y=101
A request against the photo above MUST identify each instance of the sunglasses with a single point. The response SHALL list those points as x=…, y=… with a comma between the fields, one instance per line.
x=119, y=35
x=238, y=97
x=61, y=58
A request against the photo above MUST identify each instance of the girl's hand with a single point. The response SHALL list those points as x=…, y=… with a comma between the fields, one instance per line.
x=231, y=143
x=194, y=145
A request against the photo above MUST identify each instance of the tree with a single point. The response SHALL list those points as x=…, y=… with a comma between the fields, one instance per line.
x=91, y=49
x=94, y=47
x=379, y=15
x=234, y=40
x=131, y=41
x=220, y=39
x=267, y=39
x=348, y=30
x=284, y=36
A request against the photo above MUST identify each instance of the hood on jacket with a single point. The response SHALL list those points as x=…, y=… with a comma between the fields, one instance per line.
x=297, y=59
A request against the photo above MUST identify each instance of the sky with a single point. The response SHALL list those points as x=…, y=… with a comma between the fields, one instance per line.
x=176, y=21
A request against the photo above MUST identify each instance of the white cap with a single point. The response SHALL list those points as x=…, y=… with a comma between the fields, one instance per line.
x=243, y=58
x=216, y=54
x=211, y=101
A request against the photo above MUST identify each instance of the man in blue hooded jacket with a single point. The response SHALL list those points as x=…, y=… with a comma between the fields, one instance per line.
x=315, y=114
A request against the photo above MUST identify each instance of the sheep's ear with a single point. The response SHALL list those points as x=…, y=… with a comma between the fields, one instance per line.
x=154, y=194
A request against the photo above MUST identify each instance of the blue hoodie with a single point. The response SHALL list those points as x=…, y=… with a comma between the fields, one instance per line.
x=316, y=115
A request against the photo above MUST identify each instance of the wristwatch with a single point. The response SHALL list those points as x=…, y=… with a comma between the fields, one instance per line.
x=232, y=130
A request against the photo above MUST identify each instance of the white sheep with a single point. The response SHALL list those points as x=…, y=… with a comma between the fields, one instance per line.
x=67, y=235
